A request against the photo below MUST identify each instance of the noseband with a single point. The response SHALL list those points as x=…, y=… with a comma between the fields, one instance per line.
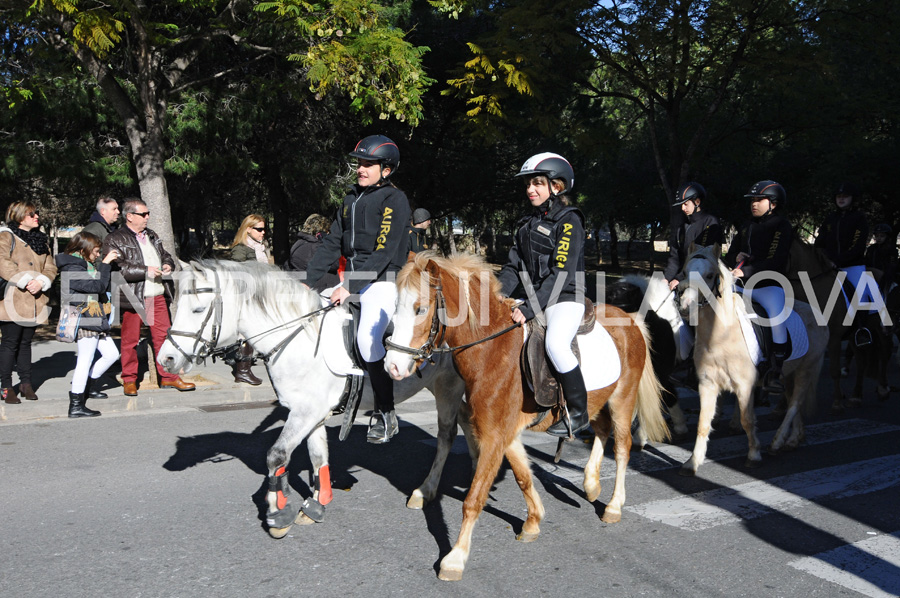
x=703, y=299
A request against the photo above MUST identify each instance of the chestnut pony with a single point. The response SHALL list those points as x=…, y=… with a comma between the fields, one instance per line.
x=456, y=301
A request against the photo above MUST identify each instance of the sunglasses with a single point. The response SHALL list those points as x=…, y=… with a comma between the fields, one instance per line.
x=32, y=214
x=141, y=214
x=260, y=229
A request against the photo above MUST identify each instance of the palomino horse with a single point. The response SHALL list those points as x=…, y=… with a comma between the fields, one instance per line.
x=814, y=279
x=723, y=361
x=302, y=342
x=458, y=300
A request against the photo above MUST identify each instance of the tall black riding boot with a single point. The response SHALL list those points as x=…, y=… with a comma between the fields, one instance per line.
x=242, y=364
x=77, y=408
x=383, y=424
x=90, y=393
x=774, y=384
x=576, y=404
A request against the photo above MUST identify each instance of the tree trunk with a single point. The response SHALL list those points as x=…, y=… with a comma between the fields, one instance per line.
x=613, y=244
x=450, y=238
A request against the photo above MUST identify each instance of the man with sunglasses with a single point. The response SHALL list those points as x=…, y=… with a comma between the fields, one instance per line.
x=142, y=262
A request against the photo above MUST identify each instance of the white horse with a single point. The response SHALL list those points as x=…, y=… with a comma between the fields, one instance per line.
x=724, y=362
x=219, y=302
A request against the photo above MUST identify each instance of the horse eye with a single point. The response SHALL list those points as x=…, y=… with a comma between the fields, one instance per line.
x=422, y=310
x=199, y=310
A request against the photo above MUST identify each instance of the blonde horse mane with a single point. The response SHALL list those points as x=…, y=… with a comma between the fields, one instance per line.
x=469, y=269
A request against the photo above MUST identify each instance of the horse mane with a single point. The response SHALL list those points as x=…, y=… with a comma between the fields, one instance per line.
x=269, y=289
x=467, y=268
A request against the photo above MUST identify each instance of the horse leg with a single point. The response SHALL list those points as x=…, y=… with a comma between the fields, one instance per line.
x=621, y=425
x=789, y=423
x=834, y=368
x=448, y=411
x=313, y=509
x=602, y=425
x=489, y=460
x=885, y=346
x=709, y=393
x=862, y=358
x=748, y=422
x=280, y=516
x=518, y=461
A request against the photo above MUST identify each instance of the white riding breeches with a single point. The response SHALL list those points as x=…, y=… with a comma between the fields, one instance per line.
x=772, y=300
x=377, y=302
x=563, y=320
x=87, y=347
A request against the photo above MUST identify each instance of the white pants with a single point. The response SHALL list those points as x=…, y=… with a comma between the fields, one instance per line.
x=772, y=300
x=563, y=320
x=378, y=302
x=87, y=346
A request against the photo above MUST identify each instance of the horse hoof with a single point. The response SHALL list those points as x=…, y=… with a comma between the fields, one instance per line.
x=592, y=494
x=450, y=574
x=837, y=409
x=883, y=393
x=416, y=501
x=611, y=517
x=687, y=472
x=524, y=537
x=303, y=519
x=855, y=402
x=772, y=450
x=752, y=463
x=279, y=532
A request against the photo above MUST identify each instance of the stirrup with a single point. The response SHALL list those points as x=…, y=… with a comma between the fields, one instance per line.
x=862, y=337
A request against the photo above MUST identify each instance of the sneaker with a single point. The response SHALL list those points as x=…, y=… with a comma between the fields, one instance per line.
x=382, y=427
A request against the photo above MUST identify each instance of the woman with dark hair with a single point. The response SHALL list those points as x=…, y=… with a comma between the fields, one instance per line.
x=308, y=241
x=86, y=287
x=26, y=265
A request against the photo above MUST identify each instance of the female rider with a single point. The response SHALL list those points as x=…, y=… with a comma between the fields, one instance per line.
x=549, y=246
x=763, y=245
x=370, y=233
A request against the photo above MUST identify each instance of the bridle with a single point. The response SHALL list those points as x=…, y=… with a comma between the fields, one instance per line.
x=703, y=299
x=206, y=348
x=437, y=332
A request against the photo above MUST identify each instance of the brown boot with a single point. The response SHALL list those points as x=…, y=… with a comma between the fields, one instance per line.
x=9, y=396
x=242, y=373
x=27, y=391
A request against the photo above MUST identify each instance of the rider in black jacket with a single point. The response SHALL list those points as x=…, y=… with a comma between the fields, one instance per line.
x=549, y=247
x=764, y=245
x=700, y=228
x=370, y=233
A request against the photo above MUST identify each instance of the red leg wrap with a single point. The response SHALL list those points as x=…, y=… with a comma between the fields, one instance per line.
x=324, y=485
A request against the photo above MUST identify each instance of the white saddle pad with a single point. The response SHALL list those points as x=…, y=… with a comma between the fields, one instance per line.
x=600, y=363
x=796, y=331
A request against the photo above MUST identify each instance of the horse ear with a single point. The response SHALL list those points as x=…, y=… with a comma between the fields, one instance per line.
x=692, y=248
x=411, y=256
x=718, y=250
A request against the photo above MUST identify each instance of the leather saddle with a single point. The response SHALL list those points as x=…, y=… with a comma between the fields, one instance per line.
x=536, y=367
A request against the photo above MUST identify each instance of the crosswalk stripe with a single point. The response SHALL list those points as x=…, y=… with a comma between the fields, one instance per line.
x=754, y=499
x=870, y=567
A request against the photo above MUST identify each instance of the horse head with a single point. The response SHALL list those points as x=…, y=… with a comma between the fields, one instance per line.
x=205, y=316
x=705, y=278
x=436, y=296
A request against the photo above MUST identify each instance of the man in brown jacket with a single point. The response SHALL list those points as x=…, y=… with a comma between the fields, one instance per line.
x=142, y=263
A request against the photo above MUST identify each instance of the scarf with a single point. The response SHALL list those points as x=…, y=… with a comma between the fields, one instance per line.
x=35, y=239
x=91, y=303
x=260, y=250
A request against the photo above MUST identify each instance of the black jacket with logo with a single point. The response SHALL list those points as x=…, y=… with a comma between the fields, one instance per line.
x=549, y=244
x=768, y=241
x=370, y=232
x=843, y=237
x=702, y=229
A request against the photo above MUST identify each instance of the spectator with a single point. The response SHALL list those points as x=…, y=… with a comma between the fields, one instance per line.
x=143, y=262
x=103, y=220
x=421, y=220
x=88, y=286
x=308, y=241
x=247, y=246
x=26, y=265
x=248, y=241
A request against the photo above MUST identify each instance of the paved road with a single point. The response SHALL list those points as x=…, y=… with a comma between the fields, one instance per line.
x=168, y=500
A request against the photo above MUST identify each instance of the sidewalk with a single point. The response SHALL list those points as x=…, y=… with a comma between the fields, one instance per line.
x=53, y=363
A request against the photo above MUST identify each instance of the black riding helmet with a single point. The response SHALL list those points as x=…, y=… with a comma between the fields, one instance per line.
x=848, y=189
x=883, y=227
x=378, y=148
x=553, y=166
x=770, y=190
x=688, y=192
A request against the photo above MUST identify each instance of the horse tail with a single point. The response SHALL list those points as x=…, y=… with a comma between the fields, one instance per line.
x=649, y=408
